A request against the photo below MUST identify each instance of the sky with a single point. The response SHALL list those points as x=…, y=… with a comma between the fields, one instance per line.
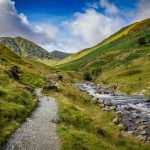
x=68, y=25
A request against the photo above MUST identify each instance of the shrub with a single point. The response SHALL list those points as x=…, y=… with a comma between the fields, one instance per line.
x=141, y=41
x=87, y=76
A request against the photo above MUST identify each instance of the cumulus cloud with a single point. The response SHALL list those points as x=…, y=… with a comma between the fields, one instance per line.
x=92, y=27
x=109, y=7
x=14, y=24
x=142, y=11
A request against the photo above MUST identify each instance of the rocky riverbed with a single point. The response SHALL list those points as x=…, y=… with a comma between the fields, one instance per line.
x=133, y=112
x=38, y=132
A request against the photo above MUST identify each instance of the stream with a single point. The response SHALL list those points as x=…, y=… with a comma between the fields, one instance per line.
x=133, y=112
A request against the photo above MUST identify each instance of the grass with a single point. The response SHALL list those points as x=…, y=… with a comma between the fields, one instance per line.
x=84, y=126
x=49, y=62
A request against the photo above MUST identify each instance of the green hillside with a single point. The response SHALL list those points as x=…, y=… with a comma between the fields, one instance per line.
x=122, y=59
x=16, y=99
x=60, y=55
x=25, y=47
x=125, y=39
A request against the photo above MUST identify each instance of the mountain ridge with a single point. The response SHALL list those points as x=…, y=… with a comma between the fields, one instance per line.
x=26, y=48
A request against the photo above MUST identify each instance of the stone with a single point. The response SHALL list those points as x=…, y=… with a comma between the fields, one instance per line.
x=127, y=133
x=50, y=86
x=112, y=108
x=60, y=77
x=29, y=88
x=116, y=121
x=56, y=121
x=121, y=126
x=148, y=138
x=13, y=72
x=141, y=137
x=143, y=132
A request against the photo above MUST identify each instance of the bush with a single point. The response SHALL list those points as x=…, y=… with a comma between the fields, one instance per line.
x=141, y=41
x=87, y=76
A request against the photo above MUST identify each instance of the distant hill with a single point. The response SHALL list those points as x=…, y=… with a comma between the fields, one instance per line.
x=60, y=55
x=25, y=47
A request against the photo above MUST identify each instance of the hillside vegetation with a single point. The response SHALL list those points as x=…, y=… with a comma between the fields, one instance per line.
x=16, y=99
x=121, y=59
x=60, y=55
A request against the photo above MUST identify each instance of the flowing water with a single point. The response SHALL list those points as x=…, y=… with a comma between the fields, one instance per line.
x=134, y=111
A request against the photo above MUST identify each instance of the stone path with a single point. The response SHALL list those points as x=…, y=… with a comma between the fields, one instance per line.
x=38, y=132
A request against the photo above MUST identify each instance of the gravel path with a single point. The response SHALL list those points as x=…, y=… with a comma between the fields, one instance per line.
x=38, y=132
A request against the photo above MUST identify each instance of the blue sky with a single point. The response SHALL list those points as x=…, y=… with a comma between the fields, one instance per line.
x=59, y=10
x=68, y=25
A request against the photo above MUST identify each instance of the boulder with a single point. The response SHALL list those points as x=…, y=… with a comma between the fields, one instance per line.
x=50, y=86
x=116, y=121
x=29, y=88
x=13, y=73
x=56, y=120
x=141, y=137
x=127, y=133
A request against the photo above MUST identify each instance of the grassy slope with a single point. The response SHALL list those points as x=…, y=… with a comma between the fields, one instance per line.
x=121, y=62
x=112, y=38
x=16, y=103
x=84, y=126
x=60, y=55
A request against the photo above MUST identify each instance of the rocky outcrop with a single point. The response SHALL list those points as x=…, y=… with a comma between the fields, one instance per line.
x=50, y=86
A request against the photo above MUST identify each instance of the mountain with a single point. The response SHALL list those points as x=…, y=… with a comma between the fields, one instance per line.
x=122, y=59
x=25, y=47
x=60, y=55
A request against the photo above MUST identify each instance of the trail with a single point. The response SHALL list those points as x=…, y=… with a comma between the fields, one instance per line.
x=38, y=132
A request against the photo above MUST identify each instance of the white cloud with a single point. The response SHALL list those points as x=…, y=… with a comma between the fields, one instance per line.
x=14, y=24
x=142, y=11
x=92, y=27
x=109, y=8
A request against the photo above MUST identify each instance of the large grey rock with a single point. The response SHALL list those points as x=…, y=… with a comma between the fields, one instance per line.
x=50, y=86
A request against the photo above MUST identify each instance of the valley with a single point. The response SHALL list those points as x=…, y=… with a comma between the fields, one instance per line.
x=102, y=94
